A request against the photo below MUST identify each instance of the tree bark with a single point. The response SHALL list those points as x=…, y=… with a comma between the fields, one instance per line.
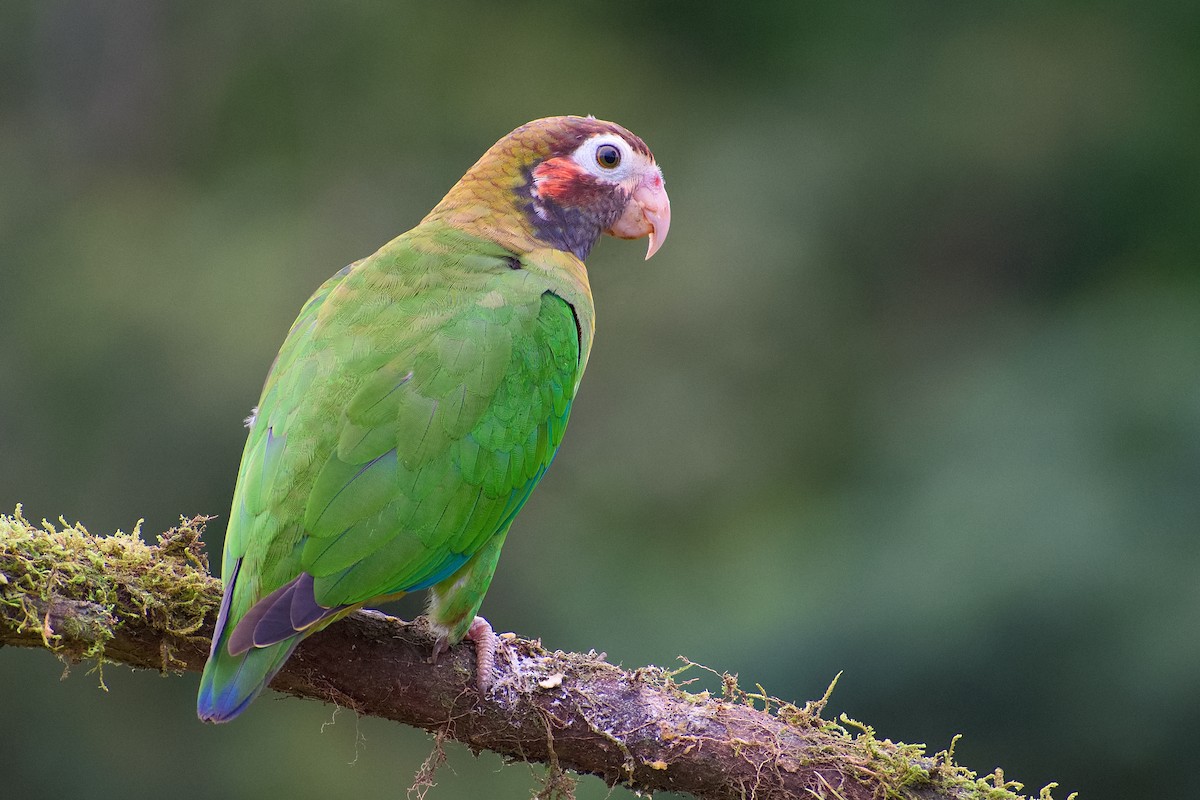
x=153, y=607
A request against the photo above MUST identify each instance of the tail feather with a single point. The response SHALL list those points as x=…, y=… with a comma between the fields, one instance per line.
x=278, y=617
x=230, y=682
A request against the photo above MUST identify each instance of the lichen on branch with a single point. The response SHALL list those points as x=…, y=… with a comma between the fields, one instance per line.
x=118, y=599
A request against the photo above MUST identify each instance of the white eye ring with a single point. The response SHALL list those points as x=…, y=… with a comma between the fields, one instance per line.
x=596, y=156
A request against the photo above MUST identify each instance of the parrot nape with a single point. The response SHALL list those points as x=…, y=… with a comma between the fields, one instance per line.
x=419, y=397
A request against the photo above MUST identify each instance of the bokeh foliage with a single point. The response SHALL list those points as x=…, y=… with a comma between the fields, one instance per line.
x=913, y=391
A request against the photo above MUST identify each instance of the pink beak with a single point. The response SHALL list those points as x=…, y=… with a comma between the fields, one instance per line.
x=648, y=213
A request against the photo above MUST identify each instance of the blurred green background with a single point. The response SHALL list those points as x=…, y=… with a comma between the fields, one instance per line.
x=912, y=391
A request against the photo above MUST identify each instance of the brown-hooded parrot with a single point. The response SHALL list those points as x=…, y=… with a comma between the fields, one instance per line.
x=419, y=397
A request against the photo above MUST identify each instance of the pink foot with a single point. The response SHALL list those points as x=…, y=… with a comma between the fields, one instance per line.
x=484, y=638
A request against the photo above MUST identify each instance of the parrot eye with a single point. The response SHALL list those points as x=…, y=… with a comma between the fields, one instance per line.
x=608, y=156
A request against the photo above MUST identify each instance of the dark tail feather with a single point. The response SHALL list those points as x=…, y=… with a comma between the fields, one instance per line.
x=243, y=660
x=285, y=612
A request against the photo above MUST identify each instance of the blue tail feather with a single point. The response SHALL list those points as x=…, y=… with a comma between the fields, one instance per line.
x=231, y=682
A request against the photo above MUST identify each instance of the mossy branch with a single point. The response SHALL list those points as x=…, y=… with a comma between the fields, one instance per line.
x=121, y=600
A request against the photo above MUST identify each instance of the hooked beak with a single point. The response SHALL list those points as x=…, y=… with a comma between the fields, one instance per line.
x=648, y=213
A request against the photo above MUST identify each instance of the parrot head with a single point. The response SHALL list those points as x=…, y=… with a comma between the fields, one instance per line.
x=562, y=182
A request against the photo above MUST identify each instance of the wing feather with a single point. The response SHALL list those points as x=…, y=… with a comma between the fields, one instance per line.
x=394, y=439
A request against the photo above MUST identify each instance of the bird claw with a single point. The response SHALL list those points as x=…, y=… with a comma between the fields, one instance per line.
x=439, y=649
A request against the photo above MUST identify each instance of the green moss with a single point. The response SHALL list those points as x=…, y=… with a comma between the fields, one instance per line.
x=103, y=581
x=902, y=770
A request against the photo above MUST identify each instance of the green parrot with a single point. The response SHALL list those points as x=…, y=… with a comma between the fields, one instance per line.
x=419, y=397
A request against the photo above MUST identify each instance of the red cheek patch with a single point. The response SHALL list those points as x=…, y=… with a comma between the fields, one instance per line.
x=557, y=179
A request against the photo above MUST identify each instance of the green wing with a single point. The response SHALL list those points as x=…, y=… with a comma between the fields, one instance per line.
x=418, y=399
x=439, y=450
